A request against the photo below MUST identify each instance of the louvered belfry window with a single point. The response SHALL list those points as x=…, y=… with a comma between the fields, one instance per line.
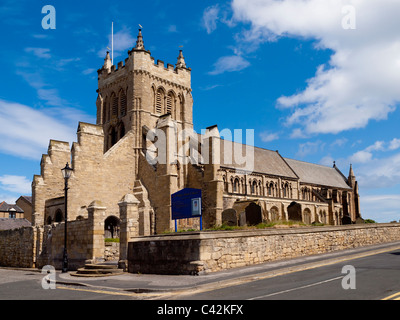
x=123, y=104
x=159, y=101
x=115, y=106
x=169, y=104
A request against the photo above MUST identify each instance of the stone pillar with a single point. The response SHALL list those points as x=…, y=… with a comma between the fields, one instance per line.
x=213, y=185
x=96, y=217
x=129, y=226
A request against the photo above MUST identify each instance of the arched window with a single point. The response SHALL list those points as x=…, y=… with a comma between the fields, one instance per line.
x=269, y=189
x=254, y=187
x=171, y=103
x=236, y=185
x=181, y=108
x=105, y=110
x=113, y=136
x=121, y=130
x=58, y=216
x=123, y=104
x=160, y=100
x=114, y=101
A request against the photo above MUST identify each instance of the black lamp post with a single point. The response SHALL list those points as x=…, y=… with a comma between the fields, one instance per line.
x=66, y=172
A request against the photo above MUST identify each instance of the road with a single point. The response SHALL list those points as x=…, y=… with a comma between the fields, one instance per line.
x=374, y=275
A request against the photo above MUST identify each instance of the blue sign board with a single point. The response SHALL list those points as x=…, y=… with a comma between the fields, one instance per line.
x=186, y=203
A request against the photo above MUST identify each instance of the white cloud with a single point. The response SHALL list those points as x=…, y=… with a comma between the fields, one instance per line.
x=123, y=41
x=268, y=136
x=88, y=71
x=381, y=208
x=359, y=83
x=361, y=157
x=379, y=172
x=39, y=52
x=210, y=17
x=172, y=28
x=26, y=132
x=394, y=144
x=327, y=161
x=310, y=148
x=229, y=64
x=17, y=184
x=339, y=142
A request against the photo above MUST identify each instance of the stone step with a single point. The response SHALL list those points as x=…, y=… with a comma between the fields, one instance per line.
x=101, y=266
x=98, y=270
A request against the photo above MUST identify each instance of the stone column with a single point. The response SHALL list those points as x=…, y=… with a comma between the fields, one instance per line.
x=213, y=185
x=129, y=226
x=96, y=217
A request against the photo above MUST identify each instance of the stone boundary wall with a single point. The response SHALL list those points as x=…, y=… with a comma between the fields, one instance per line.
x=212, y=251
x=31, y=247
x=17, y=247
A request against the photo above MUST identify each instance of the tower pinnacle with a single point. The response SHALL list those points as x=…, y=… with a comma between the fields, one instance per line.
x=139, y=42
x=181, y=60
x=107, y=62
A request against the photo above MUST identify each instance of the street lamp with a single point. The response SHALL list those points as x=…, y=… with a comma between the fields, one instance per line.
x=66, y=172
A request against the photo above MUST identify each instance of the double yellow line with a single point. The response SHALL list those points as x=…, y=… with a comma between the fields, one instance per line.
x=395, y=296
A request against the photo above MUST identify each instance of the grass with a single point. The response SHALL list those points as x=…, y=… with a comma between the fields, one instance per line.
x=262, y=225
x=111, y=240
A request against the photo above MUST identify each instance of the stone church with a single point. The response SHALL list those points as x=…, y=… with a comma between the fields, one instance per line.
x=141, y=103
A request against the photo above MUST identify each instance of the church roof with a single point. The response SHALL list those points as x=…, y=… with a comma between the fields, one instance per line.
x=265, y=161
x=318, y=174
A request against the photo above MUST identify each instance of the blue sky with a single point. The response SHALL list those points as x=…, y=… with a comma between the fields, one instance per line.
x=294, y=71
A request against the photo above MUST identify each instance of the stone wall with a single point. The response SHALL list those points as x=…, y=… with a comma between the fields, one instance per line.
x=17, y=247
x=30, y=247
x=111, y=251
x=215, y=251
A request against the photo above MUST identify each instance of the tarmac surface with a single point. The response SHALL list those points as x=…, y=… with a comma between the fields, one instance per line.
x=148, y=283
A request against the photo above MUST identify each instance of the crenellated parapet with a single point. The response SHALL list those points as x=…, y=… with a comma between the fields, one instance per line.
x=49, y=184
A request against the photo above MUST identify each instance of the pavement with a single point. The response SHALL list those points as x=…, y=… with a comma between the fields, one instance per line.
x=152, y=283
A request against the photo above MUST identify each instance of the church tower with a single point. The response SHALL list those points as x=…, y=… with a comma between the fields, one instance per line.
x=134, y=94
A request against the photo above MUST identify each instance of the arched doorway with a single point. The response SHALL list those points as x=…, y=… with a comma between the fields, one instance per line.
x=111, y=227
x=294, y=211
x=253, y=214
x=307, y=216
x=274, y=213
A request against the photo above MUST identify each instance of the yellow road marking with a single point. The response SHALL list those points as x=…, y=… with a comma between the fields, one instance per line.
x=393, y=296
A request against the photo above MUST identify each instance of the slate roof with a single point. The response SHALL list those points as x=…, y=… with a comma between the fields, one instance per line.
x=10, y=224
x=5, y=207
x=265, y=161
x=272, y=163
x=26, y=198
x=318, y=174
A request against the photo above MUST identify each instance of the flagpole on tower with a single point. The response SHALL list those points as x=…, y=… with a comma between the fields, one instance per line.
x=112, y=42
